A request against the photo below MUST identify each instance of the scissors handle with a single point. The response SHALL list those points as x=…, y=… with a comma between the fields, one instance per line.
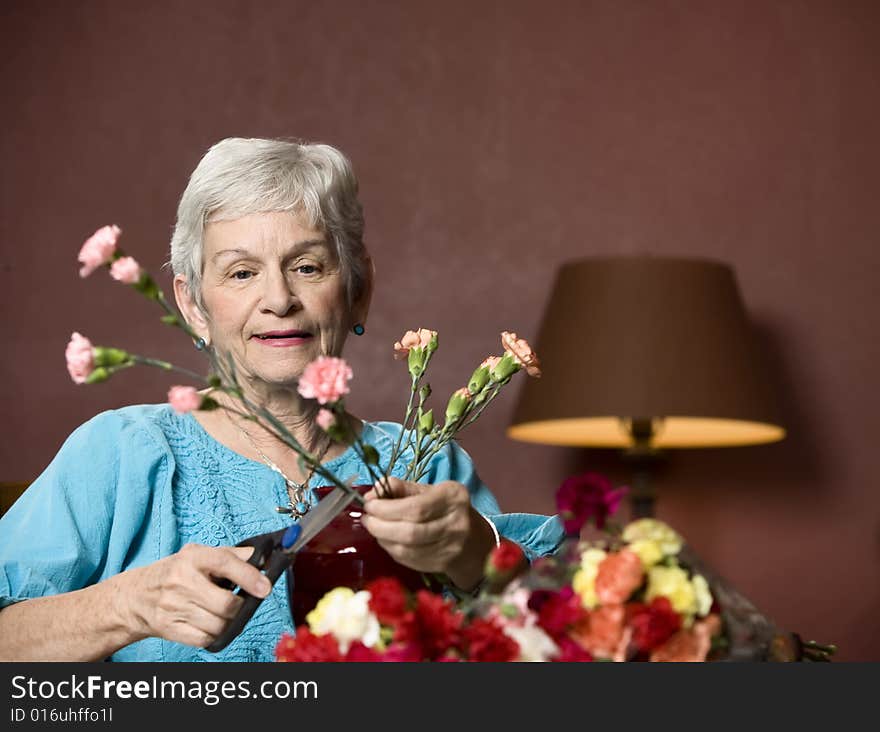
x=272, y=560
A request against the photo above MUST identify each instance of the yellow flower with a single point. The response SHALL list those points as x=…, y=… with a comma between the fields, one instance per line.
x=703, y=595
x=648, y=551
x=673, y=584
x=666, y=538
x=584, y=580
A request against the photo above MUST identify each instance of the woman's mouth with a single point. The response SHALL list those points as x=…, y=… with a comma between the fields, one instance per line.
x=283, y=338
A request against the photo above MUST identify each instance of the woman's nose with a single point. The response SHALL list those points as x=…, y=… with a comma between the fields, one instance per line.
x=279, y=296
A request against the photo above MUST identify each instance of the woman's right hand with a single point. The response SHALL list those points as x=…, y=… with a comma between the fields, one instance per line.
x=177, y=598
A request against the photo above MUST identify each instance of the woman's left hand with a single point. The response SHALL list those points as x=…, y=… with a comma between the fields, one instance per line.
x=431, y=528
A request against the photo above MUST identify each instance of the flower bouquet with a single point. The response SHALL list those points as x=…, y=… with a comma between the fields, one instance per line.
x=631, y=593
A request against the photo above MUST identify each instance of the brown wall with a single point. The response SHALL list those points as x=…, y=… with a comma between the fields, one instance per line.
x=493, y=141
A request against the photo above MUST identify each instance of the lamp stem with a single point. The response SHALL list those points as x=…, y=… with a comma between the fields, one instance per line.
x=641, y=456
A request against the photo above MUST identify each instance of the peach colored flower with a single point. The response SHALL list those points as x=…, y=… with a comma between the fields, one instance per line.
x=184, y=399
x=98, y=249
x=490, y=362
x=520, y=349
x=125, y=270
x=325, y=379
x=80, y=355
x=420, y=338
x=325, y=419
x=602, y=632
x=690, y=645
x=618, y=577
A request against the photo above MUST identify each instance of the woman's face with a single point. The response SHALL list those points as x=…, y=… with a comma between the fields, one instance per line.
x=274, y=295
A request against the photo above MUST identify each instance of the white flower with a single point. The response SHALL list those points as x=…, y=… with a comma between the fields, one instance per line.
x=346, y=614
x=534, y=644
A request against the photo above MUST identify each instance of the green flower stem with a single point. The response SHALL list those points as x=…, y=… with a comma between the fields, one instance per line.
x=485, y=403
x=166, y=366
x=396, y=451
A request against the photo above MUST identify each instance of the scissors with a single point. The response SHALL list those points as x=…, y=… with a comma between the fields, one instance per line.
x=275, y=551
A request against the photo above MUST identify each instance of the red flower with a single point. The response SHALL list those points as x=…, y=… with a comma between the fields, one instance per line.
x=387, y=600
x=557, y=611
x=584, y=497
x=507, y=556
x=433, y=626
x=571, y=652
x=359, y=653
x=307, y=647
x=653, y=624
x=403, y=653
x=486, y=642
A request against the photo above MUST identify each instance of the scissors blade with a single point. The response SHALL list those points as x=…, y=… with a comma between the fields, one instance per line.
x=327, y=509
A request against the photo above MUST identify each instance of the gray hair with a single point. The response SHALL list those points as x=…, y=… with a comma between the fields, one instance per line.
x=239, y=176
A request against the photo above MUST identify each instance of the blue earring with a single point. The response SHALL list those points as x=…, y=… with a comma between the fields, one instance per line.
x=358, y=329
x=200, y=344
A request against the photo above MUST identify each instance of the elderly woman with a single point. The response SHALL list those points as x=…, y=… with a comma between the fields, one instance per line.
x=115, y=550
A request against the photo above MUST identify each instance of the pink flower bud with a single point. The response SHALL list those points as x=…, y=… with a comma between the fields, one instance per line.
x=98, y=249
x=125, y=270
x=325, y=419
x=184, y=399
x=80, y=358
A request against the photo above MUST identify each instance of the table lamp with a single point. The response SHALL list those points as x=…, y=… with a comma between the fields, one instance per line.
x=645, y=353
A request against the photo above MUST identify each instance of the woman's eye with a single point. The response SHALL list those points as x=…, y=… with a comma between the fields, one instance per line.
x=241, y=274
x=307, y=269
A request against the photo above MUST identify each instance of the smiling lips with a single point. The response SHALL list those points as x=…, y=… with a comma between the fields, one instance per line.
x=283, y=338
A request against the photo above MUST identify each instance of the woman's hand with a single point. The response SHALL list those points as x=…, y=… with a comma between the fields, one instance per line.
x=176, y=598
x=431, y=528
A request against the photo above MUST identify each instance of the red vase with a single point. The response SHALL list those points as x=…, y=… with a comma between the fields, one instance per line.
x=343, y=554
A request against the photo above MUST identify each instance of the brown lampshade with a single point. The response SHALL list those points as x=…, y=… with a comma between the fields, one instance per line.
x=644, y=337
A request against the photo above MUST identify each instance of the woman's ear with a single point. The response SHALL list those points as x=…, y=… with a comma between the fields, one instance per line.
x=361, y=307
x=192, y=313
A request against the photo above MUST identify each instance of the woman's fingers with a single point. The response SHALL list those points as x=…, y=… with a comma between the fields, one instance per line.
x=418, y=503
x=230, y=563
x=423, y=526
x=180, y=600
x=408, y=532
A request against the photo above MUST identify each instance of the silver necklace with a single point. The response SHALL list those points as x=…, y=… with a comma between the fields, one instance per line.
x=297, y=505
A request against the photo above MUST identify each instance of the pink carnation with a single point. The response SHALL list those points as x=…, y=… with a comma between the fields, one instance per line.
x=325, y=419
x=490, y=362
x=98, y=249
x=184, y=399
x=325, y=379
x=125, y=270
x=80, y=357
x=520, y=349
x=413, y=339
